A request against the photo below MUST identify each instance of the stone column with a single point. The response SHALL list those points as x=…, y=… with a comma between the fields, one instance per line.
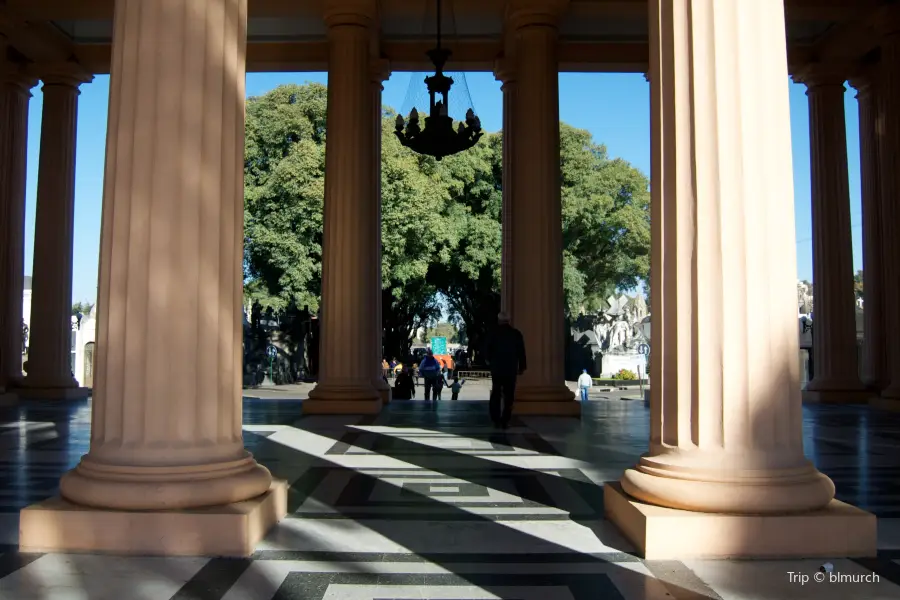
x=870, y=134
x=536, y=257
x=345, y=366
x=379, y=73
x=725, y=433
x=890, y=198
x=166, y=426
x=15, y=90
x=836, y=376
x=504, y=72
x=49, y=350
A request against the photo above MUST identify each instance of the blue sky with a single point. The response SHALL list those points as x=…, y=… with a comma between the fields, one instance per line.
x=613, y=107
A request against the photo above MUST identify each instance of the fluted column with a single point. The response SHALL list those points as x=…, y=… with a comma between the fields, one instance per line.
x=505, y=73
x=836, y=377
x=166, y=426
x=50, y=344
x=379, y=72
x=536, y=257
x=870, y=134
x=15, y=90
x=345, y=367
x=725, y=424
x=890, y=198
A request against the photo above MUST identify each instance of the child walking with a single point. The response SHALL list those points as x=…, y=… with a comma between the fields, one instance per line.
x=455, y=387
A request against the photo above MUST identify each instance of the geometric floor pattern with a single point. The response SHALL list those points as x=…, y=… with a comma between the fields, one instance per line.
x=429, y=503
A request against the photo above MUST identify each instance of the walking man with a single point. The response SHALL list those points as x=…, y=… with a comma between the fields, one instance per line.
x=430, y=370
x=584, y=384
x=506, y=356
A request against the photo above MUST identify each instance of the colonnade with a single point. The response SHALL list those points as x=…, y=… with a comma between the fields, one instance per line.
x=725, y=414
x=838, y=376
x=49, y=373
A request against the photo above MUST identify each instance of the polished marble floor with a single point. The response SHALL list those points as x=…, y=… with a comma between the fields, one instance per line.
x=428, y=503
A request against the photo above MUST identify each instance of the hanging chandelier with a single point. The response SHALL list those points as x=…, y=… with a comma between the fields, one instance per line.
x=438, y=138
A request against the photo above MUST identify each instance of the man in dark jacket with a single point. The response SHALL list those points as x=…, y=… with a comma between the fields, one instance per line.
x=506, y=356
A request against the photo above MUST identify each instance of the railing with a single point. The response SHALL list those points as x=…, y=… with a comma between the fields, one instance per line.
x=472, y=374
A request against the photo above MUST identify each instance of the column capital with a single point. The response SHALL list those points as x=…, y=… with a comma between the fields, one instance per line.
x=380, y=70
x=504, y=70
x=815, y=75
x=350, y=12
x=62, y=73
x=15, y=75
x=522, y=13
x=864, y=81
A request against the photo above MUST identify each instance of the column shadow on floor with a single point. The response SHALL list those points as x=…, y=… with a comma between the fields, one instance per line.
x=395, y=528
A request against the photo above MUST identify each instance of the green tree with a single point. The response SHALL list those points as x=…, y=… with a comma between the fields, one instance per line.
x=82, y=307
x=283, y=190
x=858, y=284
x=606, y=221
x=444, y=330
x=440, y=220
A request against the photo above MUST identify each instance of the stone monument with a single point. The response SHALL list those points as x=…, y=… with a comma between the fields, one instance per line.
x=620, y=331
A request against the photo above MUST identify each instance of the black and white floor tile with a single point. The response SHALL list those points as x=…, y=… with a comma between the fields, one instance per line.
x=425, y=504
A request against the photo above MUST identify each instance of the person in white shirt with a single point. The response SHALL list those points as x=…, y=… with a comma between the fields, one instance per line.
x=584, y=384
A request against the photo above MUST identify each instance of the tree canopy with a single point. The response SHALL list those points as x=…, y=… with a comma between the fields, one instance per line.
x=440, y=220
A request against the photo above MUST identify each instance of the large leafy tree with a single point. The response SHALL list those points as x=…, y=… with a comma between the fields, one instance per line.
x=440, y=220
x=284, y=176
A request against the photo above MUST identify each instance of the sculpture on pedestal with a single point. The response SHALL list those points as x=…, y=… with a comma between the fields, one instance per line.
x=614, y=336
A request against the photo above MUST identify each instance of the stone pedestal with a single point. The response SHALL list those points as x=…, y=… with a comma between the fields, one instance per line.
x=661, y=533
x=15, y=90
x=611, y=364
x=50, y=344
x=836, y=376
x=536, y=240
x=345, y=368
x=726, y=420
x=166, y=435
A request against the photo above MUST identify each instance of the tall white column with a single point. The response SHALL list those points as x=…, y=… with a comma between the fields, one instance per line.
x=379, y=73
x=890, y=198
x=871, y=131
x=49, y=373
x=166, y=426
x=345, y=367
x=536, y=257
x=15, y=90
x=505, y=73
x=836, y=373
x=726, y=418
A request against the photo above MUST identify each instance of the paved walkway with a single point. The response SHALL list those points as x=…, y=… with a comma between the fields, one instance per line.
x=428, y=503
x=472, y=390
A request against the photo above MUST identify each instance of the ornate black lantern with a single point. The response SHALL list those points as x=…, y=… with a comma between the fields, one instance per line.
x=438, y=138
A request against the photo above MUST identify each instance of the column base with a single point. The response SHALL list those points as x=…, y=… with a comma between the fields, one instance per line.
x=343, y=399
x=384, y=391
x=879, y=403
x=546, y=400
x=53, y=393
x=892, y=392
x=57, y=525
x=659, y=533
x=126, y=487
x=837, y=396
x=315, y=406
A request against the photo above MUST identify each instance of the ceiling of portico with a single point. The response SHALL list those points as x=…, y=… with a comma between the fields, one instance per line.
x=595, y=35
